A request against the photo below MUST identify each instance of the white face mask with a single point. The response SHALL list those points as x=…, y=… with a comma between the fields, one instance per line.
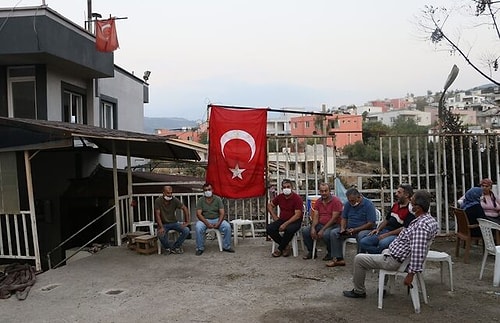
x=287, y=191
x=207, y=193
x=168, y=198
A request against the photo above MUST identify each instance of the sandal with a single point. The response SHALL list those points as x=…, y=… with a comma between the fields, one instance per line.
x=276, y=253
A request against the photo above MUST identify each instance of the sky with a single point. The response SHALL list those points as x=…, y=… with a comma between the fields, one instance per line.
x=293, y=54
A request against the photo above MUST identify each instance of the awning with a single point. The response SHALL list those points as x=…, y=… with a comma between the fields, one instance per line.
x=18, y=134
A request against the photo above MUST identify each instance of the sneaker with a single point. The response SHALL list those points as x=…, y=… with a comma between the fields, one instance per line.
x=353, y=294
x=228, y=250
x=178, y=251
x=198, y=252
x=168, y=251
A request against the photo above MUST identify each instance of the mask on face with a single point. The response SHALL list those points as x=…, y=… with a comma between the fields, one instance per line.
x=287, y=191
x=207, y=193
x=168, y=198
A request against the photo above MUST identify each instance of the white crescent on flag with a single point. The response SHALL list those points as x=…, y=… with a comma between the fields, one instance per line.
x=237, y=134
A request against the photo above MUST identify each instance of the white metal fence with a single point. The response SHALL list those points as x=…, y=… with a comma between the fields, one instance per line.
x=19, y=237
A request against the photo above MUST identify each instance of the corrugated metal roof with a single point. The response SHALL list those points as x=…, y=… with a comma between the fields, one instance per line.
x=28, y=134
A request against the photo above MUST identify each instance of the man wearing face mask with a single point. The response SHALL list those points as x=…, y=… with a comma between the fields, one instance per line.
x=165, y=207
x=210, y=213
x=358, y=219
x=288, y=221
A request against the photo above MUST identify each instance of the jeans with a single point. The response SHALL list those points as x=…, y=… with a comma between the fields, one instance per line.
x=372, y=243
x=308, y=240
x=272, y=230
x=224, y=228
x=337, y=241
x=183, y=233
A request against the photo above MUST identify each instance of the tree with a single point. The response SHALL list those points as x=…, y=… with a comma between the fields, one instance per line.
x=438, y=26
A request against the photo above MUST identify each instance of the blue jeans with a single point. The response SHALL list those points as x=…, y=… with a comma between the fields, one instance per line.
x=337, y=241
x=183, y=233
x=308, y=240
x=201, y=229
x=372, y=244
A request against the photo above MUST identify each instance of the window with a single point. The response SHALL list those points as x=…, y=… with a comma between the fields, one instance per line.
x=307, y=124
x=73, y=103
x=22, y=92
x=107, y=113
x=72, y=107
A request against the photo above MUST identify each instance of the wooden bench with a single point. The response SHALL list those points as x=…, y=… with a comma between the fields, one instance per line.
x=131, y=236
x=146, y=244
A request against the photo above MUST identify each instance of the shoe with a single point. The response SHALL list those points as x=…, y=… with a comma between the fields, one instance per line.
x=287, y=252
x=276, y=253
x=228, y=250
x=198, y=252
x=353, y=294
x=168, y=251
x=178, y=251
x=327, y=258
x=335, y=263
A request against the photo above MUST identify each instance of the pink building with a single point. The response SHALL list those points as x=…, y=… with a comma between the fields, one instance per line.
x=347, y=128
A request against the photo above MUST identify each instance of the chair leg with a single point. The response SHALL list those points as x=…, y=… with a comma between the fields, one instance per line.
x=496, y=269
x=467, y=251
x=314, y=249
x=415, y=298
x=457, y=247
x=483, y=263
x=295, y=246
x=421, y=283
x=381, y=278
x=450, y=270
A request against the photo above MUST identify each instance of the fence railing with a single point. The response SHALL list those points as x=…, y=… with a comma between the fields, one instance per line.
x=19, y=237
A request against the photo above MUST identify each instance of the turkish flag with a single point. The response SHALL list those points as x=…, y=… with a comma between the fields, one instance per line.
x=237, y=152
x=106, y=39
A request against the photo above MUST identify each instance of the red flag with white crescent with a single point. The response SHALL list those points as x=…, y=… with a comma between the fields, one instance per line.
x=106, y=39
x=237, y=152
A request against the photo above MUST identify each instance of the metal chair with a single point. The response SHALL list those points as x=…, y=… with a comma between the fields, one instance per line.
x=463, y=232
x=490, y=248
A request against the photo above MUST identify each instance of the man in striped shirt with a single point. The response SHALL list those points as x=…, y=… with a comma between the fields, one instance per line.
x=412, y=242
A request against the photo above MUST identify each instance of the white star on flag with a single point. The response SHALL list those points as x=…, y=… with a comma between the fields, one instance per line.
x=237, y=171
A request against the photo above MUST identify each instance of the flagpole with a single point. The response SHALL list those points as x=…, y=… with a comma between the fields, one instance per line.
x=271, y=110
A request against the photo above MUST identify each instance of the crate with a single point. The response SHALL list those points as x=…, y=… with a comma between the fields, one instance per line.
x=131, y=236
x=146, y=244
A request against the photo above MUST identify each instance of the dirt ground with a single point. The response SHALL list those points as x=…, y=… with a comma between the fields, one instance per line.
x=119, y=285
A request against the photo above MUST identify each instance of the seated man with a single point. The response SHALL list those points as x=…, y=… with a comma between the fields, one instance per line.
x=210, y=213
x=358, y=219
x=289, y=219
x=165, y=207
x=399, y=216
x=325, y=216
x=412, y=242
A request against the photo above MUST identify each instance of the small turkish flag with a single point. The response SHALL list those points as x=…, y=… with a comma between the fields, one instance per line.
x=237, y=152
x=106, y=39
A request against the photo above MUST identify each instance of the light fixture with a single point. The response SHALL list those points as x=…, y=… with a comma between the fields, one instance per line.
x=146, y=75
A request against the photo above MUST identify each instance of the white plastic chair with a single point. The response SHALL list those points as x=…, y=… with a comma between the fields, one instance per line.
x=418, y=282
x=140, y=224
x=295, y=244
x=237, y=223
x=218, y=235
x=490, y=248
x=441, y=257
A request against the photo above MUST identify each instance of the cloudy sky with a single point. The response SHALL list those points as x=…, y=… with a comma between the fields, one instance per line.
x=274, y=53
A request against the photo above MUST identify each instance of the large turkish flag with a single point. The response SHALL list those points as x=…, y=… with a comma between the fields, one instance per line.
x=106, y=39
x=237, y=152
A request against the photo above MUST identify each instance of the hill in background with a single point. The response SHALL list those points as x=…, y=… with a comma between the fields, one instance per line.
x=150, y=124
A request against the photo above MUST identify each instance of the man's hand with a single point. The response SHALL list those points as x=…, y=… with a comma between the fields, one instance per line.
x=282, y=227
x=314, y=234
x=161, y=230
x=408, y=279
x=373, y=232
x=383, y=236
